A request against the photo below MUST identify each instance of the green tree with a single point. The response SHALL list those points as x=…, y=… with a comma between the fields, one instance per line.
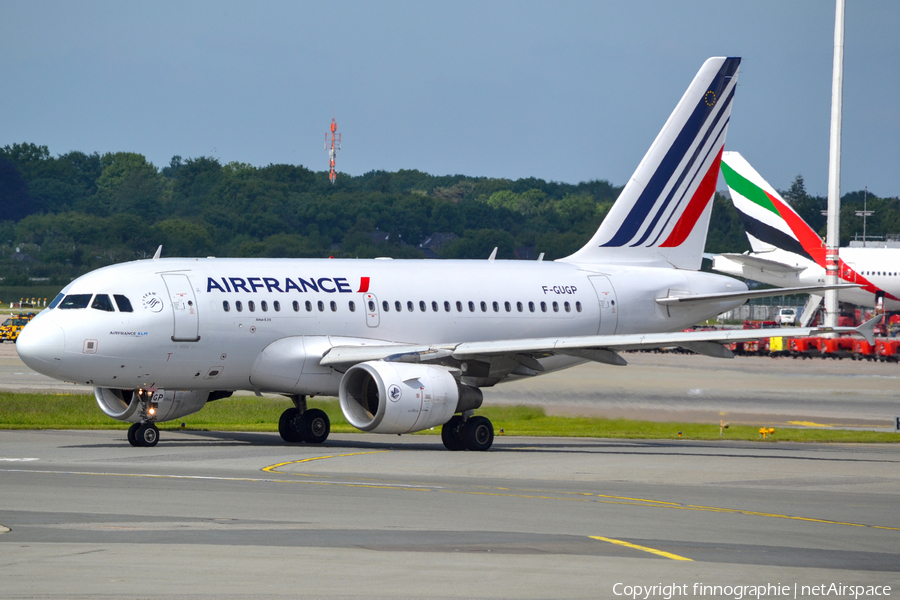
x=128, y=184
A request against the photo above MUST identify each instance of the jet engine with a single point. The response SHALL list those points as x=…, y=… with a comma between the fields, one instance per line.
x=393, y=397
x=125, y=405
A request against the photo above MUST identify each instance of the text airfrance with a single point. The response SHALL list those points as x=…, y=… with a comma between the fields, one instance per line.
x=328, y=285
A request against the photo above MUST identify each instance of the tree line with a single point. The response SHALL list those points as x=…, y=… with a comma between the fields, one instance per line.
x=65, y=215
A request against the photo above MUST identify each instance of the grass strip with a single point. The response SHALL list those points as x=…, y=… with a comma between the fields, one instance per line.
x=249, y=413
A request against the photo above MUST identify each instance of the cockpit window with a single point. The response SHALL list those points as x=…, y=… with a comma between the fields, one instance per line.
x=123, y=303
x=102, y=302
x=56, y=300
x=75, y=301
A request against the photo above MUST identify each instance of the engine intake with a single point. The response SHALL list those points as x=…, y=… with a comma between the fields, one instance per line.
x=124, y=405
x=389, y=397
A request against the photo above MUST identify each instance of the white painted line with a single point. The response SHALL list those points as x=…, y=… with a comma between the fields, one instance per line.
x=18, y=459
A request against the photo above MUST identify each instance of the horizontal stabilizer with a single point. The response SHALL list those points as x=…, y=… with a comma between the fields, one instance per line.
x=763, y=264
x=747, y=295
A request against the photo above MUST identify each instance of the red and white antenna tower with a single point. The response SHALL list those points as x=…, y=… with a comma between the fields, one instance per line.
x=332, y=151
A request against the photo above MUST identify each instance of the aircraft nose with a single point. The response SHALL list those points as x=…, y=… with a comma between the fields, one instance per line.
x=41, y=345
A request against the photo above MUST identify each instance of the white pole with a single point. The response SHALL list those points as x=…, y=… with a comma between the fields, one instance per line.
x=832, y=241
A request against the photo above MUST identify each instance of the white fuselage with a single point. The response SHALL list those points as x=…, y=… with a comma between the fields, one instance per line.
x=874, y=268
x=204, y=323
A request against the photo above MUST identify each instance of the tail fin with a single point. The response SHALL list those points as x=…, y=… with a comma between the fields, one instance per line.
x=769, y=221
x=662, y=216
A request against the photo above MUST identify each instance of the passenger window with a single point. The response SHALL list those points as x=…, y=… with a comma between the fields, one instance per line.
x=422, y=305
x=264, y=306
x=333, y=306
x=102, y=302
x=446, y=306
x=309, y=306
x=409, y=305
x=471, y=306
x=76, y=301
x=57, y=300
x=251, y=306
x=519, y=306
x=483, y=306
x=277, y=306
x=238, y=306
x=555, y=306
x=386, y=305
x=567, y=306
x=578, y=306
x=371, y=306
x=531, y=306
x=123, y=303
x=296, y=306
x=321, y=306
x=352, y=305
x=507, y=306
x=543, y=306
x=397, y=306
x=225, y=306
x=434, y=306
x=458, y=306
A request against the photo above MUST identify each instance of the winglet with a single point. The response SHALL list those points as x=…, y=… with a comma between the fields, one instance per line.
x=158, y=253
x=867, y=329
x=493, y=254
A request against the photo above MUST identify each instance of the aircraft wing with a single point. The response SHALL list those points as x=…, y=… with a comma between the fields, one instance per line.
x=763, y=264
x=598, y=348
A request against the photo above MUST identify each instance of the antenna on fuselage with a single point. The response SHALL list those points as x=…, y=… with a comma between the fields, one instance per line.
x=158, y=252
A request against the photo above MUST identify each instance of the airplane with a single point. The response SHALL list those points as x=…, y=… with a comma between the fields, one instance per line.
x=406, y=345
x=788, y=253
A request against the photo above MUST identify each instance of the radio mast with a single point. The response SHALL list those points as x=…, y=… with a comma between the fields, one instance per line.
x=332, y=151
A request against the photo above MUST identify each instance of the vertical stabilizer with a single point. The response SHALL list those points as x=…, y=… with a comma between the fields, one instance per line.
x=662, y=216
x=769, y=221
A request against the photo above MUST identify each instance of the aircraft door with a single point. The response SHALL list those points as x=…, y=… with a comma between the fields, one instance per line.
x=184, y=308
x=606, y=298
x=372, y=315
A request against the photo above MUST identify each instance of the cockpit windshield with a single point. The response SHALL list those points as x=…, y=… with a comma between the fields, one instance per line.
x=101, y=302
x=76, y=301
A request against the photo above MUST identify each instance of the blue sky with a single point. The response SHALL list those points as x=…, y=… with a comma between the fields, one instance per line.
x=565, y=91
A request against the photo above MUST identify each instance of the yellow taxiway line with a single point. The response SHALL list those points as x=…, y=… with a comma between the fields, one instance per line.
x=641, y=548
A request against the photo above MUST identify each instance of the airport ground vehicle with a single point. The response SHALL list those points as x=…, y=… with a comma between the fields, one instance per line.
x=13, y=326
x=786, y=316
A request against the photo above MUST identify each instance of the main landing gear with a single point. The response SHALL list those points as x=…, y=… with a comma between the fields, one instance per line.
x=466, y=432
x=299, y=424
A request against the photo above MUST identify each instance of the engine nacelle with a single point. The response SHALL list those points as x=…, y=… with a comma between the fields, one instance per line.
x=392, y=397
x=124, y=405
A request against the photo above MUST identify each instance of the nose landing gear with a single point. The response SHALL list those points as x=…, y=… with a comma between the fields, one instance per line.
x=146, y=433
x=143, y=434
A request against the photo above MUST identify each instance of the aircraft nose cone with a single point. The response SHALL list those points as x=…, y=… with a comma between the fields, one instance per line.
x=41, y=345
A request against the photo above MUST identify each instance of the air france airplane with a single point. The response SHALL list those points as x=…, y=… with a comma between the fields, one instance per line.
x=788, y=253
x=406, y=345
